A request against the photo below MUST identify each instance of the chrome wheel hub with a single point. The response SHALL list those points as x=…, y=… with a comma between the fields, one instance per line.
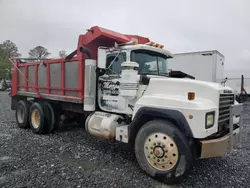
x=35, y=118
x=20, y=114
x=161, y=151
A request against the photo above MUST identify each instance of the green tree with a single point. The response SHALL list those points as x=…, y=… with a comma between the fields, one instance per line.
x=5, y=85
x=39, y=52
x=7, y=49
x=5, y=69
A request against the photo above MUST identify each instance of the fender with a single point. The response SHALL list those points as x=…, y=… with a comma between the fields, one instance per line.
x=14, y=101
x=145, y=114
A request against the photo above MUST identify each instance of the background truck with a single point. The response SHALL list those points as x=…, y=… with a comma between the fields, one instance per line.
x=209, y=66
x=117, y=86
x=203, y=65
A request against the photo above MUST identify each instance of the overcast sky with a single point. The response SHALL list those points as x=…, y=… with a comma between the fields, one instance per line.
x=181, y=25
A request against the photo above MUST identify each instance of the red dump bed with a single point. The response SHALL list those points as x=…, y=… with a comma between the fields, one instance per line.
x=63, y=79
x=52, y=79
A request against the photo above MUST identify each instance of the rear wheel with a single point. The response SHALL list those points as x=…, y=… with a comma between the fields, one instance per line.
x=38, y=120
x=22, y=114
x=52, y=115
x=163, y=151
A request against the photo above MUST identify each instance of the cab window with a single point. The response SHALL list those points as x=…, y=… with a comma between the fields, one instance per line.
x=150, y=62
x=116, y=60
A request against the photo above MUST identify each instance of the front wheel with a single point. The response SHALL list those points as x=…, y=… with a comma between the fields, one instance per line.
x=163, y=151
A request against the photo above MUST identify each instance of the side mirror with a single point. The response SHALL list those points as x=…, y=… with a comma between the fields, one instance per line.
x=101, y=58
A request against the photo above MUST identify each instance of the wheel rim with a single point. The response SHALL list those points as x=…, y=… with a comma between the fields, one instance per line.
x=20, y=114
x=35, y=118
x=161, y=151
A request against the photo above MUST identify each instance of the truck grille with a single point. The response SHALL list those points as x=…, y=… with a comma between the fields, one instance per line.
x=226, y=100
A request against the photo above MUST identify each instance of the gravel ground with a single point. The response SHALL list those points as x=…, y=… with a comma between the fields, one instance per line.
x=71, y=158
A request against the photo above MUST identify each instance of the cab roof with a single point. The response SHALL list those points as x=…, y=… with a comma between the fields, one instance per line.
x=148, y=47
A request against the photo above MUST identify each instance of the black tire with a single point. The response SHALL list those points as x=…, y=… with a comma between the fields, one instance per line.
x=181, y=166
x=53, y=117
x=22, y=114
x=81, y=119
x=41, y=125
x=30, y=103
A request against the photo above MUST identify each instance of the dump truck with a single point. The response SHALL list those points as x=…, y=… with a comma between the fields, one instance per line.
x=117, y=87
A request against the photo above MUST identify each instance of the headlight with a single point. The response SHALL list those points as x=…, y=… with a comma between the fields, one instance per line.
x=209, y=119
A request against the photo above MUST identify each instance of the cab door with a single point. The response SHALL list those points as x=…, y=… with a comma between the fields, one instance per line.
x=109, y=98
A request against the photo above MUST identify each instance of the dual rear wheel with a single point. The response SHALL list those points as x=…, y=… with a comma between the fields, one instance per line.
x=39, y=116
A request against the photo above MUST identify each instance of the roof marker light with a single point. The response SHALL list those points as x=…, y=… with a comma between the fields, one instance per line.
x=134, y=42
x=152, y=43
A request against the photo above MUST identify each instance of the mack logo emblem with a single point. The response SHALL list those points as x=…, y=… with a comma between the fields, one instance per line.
x=228, y=91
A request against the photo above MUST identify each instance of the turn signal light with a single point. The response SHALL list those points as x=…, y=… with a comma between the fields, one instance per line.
x=191, y=96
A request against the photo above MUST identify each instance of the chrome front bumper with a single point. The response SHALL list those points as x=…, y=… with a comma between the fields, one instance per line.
x=221, y=146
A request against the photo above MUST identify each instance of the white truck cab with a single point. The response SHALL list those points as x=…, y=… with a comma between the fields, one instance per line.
x=169, y=121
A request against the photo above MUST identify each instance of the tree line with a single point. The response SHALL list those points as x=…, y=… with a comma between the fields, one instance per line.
x=10, y=49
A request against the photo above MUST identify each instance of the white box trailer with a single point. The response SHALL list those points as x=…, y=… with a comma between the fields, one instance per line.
x=203, y=65
x=209, y=66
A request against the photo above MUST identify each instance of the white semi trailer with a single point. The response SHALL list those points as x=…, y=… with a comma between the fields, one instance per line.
x=209, y=66
x=203, y=65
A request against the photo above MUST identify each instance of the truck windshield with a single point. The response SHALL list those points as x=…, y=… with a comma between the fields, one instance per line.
x=150, y=62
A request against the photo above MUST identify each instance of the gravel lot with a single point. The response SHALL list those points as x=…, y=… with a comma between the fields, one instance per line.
x=71, y=158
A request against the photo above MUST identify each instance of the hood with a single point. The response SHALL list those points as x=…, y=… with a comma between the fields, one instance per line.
x=181, y=87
